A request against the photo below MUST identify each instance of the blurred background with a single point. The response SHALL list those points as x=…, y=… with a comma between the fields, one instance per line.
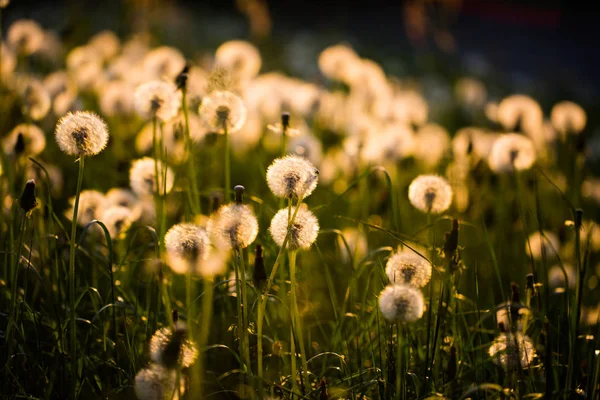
x=545, y=49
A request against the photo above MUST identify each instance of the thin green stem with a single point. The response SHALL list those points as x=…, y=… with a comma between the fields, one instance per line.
x=296, y=320
x=263, y=300
x=194, y=197
x=244, y=292
x=227, y=190
x=73, y=342
x=240, y=318
x=293, y=360
x=207, y=299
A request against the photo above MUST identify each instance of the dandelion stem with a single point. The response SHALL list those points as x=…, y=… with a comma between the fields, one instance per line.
x=73, y=341
x=227, y=166
x=207, y=299
x=263, y=300
x=244, y=292
x=296, y=321
x=194, y=198
x=240, y=317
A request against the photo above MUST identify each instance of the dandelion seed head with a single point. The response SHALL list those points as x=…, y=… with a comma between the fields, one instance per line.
x=116, y=98
x=35, y=99
x=303, y=232
x=142, y=177
x=430, y=193
x=233, y=226
x=171, y=348
x=92, y=205
x=186, y=244
x=409, y=107
x=81, y=133
x=471, y=92
x=568, y=117
x=157, y=98
x=408, y=268
x=520, y=110
x=240, y=58
x=557, y=280
x=292, y=177
x=540, y=245
x=25, y=36
x=163, y=62
x=106, y=43
x=121, y=197
x=401, y=303
x=512, y=350
x=223, y=110
x=32, y=139
x=336, y=62
x=431, y=144
x=512, y=152
x=117, y=219
x=158, y=383
x=307, y=146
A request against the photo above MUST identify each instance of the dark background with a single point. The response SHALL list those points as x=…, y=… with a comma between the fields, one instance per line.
x=545, y=48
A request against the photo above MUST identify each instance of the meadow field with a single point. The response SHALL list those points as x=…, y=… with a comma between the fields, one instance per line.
x=178, y=225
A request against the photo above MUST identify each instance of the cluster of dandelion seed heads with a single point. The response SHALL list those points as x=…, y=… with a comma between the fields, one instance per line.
x=511, y=152
x=158, y=383
x=233, y=226
x=223, y=111
x=430, y=194
x=408, y=268
x=292, y=177
x=186, y=245
x=302, y=233
x=171, y=348
x=142, y=177
x=401, y=303
x=512, y=351
x=157, y=98
x=82, y=133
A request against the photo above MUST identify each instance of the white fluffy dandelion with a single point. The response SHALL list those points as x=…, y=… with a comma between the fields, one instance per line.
x=401, y=303
x=158, y=383
x=292, y=177
x=240, y=58
x=430, y=193
x=223, y=110
x=171, y=348
x=92, y=205
x=511, y=152
x=540, y=245
x=233, y=226
x=303, y=231
x=568, y=117
x=187, y=245
x=82, y=133
x=157, y=98
x=512, y=350
x=25, y=36
x=408, y=268
x=142, y=177
x=117, y=219
x=35, y=99
x=27, y=139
